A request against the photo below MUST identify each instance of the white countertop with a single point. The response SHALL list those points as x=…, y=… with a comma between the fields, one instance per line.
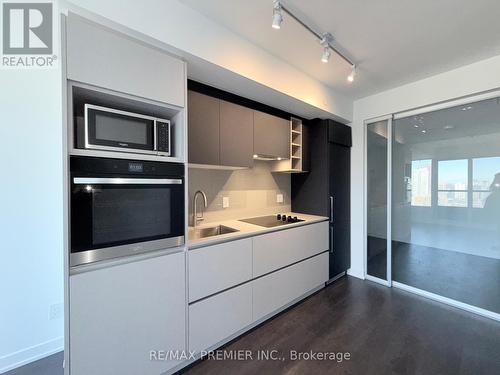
x=246, y=229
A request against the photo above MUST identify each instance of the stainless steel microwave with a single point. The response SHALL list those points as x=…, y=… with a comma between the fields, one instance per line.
x=115, y=130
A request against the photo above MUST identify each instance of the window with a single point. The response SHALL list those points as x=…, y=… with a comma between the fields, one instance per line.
x=484, y=171
x=421, y=176
x=453, y=182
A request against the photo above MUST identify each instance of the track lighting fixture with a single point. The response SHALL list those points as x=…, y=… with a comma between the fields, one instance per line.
x=277, y=15
x=351, y=76
x=325, y=39
x=325, y=42
x=326, y=55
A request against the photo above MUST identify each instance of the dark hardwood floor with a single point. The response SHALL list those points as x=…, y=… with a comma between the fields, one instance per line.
x=385, y=331
x=467, y=278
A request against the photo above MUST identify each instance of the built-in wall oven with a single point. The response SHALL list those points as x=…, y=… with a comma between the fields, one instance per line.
x=122, y=207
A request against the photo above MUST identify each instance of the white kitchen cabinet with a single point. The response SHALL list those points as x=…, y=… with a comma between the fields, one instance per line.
x=103, y=57
x=279, y=288
x=218, y=267
x=121, y=313
x=279, y=249
x=216, y=318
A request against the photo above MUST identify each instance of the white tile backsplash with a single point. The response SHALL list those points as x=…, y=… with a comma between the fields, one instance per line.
x=251, y=192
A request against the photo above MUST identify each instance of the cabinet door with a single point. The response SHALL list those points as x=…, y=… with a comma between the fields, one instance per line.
x=105, y=58
x=271, y=135
x=282, y=248
x=236, y=135
x=218, y=267
x=216, y=318
x=340, y=190
x=119, y=314
x=279, y=288
x=203, y=129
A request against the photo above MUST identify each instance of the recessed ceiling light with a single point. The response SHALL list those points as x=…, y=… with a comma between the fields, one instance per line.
x=415, y=126
x=448, y=127
x=466, y=108
x=424, y=131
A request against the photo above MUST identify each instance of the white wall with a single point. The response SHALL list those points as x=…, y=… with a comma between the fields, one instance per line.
x=468, y=80
x=31, y=266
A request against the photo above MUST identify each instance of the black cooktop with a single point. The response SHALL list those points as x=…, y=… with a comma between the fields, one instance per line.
x=272, y=220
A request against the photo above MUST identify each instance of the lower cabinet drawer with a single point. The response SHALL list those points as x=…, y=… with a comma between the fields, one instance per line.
x=218, y=317
x=218, y=267
x=279, y=288
x=279, y=249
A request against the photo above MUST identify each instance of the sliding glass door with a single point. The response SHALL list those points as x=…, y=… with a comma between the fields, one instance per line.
x=442, y=208
x=446, y=203
x=377, y=218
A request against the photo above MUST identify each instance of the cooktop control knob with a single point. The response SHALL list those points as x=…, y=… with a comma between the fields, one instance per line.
x=283, y=217
x=278, y=217
x=289, y=219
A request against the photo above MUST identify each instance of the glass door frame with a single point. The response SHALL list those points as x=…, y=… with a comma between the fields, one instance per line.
x=477, y=97
x=389, y=119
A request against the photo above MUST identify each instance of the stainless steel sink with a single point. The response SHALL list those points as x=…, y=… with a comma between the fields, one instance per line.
x=209, y=232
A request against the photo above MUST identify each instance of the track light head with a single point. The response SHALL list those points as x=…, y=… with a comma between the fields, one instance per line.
x=326, y=55
x=325, y=42
x=350, y=77
x=277, y=15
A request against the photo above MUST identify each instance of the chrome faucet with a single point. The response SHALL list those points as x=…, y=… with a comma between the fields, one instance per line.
x=196, y=217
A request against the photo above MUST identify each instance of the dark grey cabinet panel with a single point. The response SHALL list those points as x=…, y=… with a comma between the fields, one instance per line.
x=236, y=135
x=271, y=135
x=327, y=186
x=203, y=129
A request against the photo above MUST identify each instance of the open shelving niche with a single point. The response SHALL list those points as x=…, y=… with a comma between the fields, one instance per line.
x=295, y=163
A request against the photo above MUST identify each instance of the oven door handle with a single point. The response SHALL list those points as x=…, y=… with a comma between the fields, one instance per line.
x=127, y=181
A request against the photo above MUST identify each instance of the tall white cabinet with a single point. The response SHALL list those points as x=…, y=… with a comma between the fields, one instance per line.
x=120, y=313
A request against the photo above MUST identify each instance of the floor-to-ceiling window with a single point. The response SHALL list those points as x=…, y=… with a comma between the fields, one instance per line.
x=444, y=194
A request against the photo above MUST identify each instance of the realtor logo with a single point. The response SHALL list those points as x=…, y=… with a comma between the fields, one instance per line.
x=27, y=28
x=27, y=34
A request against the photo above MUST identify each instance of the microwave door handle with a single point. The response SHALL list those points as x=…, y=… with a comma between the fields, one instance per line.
x=155, y=136
x=127, y=181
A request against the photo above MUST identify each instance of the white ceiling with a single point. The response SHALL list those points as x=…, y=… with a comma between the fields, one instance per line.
x=393, y=41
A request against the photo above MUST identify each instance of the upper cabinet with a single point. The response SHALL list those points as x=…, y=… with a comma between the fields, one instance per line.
x=108, y=59
x=271, y=137
x=236, y=135
x=220, y=133
x=225, y=134
x=203, y=129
